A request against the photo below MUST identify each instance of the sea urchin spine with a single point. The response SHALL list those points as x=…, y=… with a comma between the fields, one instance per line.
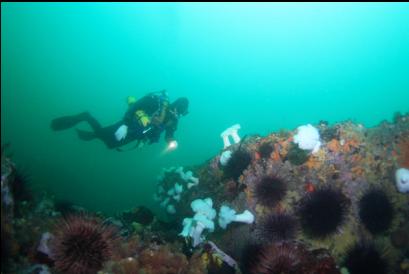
x=238, y=162
x=321, y=212
x=375, y=211
x=277, y=227
x=364, y=258
x=270, y=190
x=82, y=244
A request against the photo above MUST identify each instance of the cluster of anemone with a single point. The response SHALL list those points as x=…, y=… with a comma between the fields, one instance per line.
x=322, y=212
x=238, y=162
x=202, y=220
x=364, y=258
x=269, y=190
x=82, y=244
x=277, y=227
x=172, y=182
x=375, y=211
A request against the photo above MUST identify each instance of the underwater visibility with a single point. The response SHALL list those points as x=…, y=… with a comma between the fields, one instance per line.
x=219, y=138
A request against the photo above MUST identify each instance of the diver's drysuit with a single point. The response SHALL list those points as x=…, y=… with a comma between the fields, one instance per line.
x=145, y=118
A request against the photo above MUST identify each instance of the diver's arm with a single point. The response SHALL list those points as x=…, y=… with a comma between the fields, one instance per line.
x=122, y=131
x=159, y=117
x=170, y=131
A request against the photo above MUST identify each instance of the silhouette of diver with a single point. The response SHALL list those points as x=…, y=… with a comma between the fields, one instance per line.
x=143, y=122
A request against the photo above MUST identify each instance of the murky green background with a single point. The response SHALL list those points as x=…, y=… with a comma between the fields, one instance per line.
x=265, y=66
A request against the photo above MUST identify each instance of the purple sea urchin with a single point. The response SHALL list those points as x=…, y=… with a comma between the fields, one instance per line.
x=288, y=257
x=321, y=212
x=270, y=190
x=277, y=227
x=250, y=257
x=283, y=257
x=237, y=163
x=82, y=244
x=375, y=211
x=364, y=258
x=266, y=149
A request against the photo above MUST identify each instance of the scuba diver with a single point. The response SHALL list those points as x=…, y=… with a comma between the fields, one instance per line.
x=143, y=122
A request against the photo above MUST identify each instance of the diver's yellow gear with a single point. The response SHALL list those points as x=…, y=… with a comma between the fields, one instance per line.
x=157, y=118
x=130, y=100
x=142, y=117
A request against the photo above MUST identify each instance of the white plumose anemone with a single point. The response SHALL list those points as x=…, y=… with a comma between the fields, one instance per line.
x=308, y=138
x=402, y=180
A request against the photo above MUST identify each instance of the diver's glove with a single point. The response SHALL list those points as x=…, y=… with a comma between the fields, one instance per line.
x=121, y=132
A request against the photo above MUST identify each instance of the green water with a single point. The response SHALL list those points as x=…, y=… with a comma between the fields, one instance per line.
x=265, y=66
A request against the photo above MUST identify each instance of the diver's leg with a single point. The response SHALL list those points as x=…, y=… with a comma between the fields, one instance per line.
x=86, y=135
x=107, y=135
x=67, y=122
x=95, y=125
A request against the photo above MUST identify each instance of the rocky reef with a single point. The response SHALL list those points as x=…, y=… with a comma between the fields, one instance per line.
x=340, y=193
x=318, y=199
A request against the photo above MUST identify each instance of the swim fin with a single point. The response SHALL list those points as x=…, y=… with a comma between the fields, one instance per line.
x=67, y=122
